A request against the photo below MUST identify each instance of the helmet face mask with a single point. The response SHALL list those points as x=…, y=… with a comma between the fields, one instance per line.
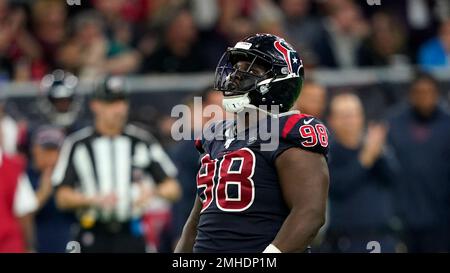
x=239, y=72
x=261, y=70
x=62, y=105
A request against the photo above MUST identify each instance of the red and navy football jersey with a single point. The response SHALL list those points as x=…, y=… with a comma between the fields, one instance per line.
x=242, y=202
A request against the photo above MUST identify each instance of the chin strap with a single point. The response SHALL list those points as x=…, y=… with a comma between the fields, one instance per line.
x=235, y=104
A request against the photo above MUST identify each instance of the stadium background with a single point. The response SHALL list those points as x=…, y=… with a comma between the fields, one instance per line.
x=141, y=39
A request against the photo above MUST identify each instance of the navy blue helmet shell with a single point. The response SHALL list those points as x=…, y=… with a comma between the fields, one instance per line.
x=279, y=85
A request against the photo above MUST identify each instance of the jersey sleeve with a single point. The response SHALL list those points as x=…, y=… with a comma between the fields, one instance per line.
x=25, y=200
x=305, y=132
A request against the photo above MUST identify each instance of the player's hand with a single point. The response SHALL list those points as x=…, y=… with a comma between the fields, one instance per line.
x=105, y=202
x=373, y=144
x=45, y=188
x=45, y=184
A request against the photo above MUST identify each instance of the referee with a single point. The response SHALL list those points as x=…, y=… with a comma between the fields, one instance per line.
x=108, y=173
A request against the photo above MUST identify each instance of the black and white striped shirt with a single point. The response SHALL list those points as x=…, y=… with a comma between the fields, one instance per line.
x=100, y=165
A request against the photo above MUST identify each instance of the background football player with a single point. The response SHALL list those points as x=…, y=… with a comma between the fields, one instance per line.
x=59, y=103
x=252, y=199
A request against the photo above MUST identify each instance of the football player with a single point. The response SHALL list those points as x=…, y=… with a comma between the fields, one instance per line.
x=252, y=199
x=60, y=105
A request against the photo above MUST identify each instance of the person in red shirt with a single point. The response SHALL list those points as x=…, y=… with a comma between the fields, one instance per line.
x=17, y=203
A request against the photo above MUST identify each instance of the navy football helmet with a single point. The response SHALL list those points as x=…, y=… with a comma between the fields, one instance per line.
x=262, y=69
x=60, y=103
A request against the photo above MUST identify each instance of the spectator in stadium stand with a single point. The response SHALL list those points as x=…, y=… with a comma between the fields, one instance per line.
x=186, y=159
x=92, y=53
x=116, y=27
x=387, y=43
x=17, y=204
x=235, y=20
x=49, y=22
x=6, y=65
x=362, y=172
x=268, y=17
x=419, y=17
x=244, y=18
x=343, y=31
x=20, y=54
x=52, y=227
x=303, y=29
x=179, y=51
x=109, y=173
x=312, y=100
x=419, y=133
x=436, y=52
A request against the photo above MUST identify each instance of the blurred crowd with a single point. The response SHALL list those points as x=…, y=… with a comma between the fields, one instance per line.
x=390, y=177
x=101, y=37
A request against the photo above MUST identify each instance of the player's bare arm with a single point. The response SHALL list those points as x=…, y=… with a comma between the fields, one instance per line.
x=187, y=239
x=304, y=182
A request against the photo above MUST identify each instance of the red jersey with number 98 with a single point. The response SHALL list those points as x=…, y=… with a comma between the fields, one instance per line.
x=242, y=203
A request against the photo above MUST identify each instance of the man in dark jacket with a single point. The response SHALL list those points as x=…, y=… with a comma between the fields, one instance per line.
x=362, y=173
x=420, y=136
